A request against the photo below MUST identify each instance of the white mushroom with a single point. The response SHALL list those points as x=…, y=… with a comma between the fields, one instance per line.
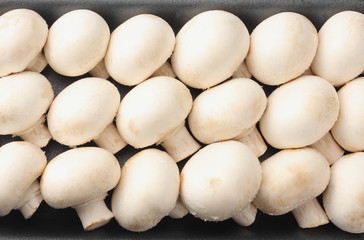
x=21, y=163
x=220, y=181
x=229, y=111
x=80, y=178
x=23, y=34
x=155, y=112
x=84, y=111
x=38, y=64
x=340, y=53
x=24, y=99
x=282, y=47
x=209, y=48
x=138, y=47
x=77, y=42
x=344, y=196
x=292, y=179
x=147, y=190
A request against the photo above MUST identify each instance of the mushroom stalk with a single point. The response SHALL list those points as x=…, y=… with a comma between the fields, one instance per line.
x=93, y=214
x=38, y=135
x=242, y=71
x=310, y=214
x=32, y=199
x=37, y=64
x=246, y=217
x=110, y=139
x=329, y=148
x=254, y=141
x=100, y=70
x=179, y=211
x=165, y=70
x=180, y=144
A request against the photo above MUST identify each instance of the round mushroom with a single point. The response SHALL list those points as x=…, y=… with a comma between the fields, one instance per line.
x=229, y=111
x=77, y=42
x=343, y=197
x=138, y=47
x=85, y=111
x=209, y=48
x=292, y=179
x=220, y=181
x=80, y=178
x=147, y=190
x=21, y=163
x=340, y=53
x=155, y=112
x=23, y=34
x=282, y=47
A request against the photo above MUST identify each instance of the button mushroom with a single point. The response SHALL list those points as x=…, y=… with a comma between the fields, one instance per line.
x=229, y=111
x=340, y=53
x=138, y=47
x=154, y=112
x=209, y=48
x=343, y=197
x=292, y=179
x=220, y=181
x=21, y=163
x=77, y=42
x=147, y=190
x=80, y=178
x=24, y=99
x=282, y=47
x=84, y=111
x=23, y=34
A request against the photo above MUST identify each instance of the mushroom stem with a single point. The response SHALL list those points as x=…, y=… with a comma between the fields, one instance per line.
x=100, y=70
x=180, y=144
x=254, y=141
x=246, y=217
x=32, y=199
x=310, y=214
x=329, y=148
x=38, y=135
x=165, y=70
x=94, y=214
x=37, y=64
x=242, y=71
x=110, y=139
x=179, y=211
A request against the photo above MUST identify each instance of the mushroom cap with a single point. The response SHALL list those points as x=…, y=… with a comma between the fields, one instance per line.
x=152, y=110
x=78, y=176
x=77, y=42
x=209, y=48
x=227, y=110
x=291, y=177
x=343, y=198
x=21, y=163
x=147, y=191
x=220, y=180
x=340, y=53
x=300, y=112
x=138, y=47
x=282, y=47
x=23, y=34
x=24, y=98
x=83, y=110
x=348, y=130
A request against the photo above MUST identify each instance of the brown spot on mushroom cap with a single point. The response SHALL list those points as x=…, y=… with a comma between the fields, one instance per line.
x=214, y=183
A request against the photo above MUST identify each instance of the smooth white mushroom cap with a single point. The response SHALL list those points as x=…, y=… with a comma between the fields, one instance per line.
x=291, y=178
x=21, y=163
x=152, y=110
x=209, y=48
x=227, y=110
x=24, y=98
x=340, y=53
x=23, y=33
x=78, y=176
x=147, y=191
x=220, y=180
x=138, y=47
x=299, y=113
x=282, y=47
x=83, y=110
x=77, y=42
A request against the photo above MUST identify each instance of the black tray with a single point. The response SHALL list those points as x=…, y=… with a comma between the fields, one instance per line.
x=61, y=224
